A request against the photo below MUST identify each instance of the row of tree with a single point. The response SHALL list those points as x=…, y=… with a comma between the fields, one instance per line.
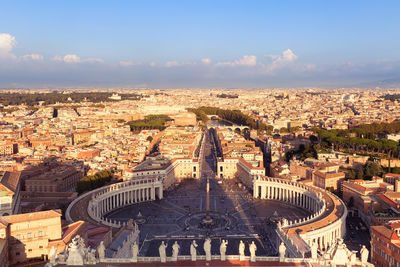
x=149, y=122
x=333, y=139
x=91, y=182
x=234, y=116
x=7, y=99
x=227, y=96
x=366, y=172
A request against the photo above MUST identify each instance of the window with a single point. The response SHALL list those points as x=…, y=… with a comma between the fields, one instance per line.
x=18, y=236
x=30, y=250
x=29, y=236
x=40, y=246
x=40, y=234
x=17, y=253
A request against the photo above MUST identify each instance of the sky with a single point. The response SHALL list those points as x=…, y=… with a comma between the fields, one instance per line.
x=193, y=43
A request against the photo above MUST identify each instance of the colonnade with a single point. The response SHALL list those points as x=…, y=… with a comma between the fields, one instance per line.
x=326, y=230
x=123, y=194
x=287, y=191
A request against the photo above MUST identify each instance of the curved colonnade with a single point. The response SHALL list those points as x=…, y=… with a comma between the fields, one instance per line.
x=108, y=198
x=327, y=221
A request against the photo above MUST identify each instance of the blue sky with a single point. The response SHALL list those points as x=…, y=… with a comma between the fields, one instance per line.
x=198, y=43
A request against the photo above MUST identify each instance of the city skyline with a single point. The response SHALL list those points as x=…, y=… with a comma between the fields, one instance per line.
x=235, y=44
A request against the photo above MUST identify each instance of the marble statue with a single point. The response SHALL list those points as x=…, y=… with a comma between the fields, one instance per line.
x=241, y=250
x=52, y=255
x=282, y=250
x=161, y=250
x=341, y=253
x=222, y=249
x=101, y=250
x=314, y=250
x=364, y=254
x=193, y=250
x=75, y=253
x=91, y=256
x=135, y=251
x=175, y=251
x=207, y=248
x=253, y=249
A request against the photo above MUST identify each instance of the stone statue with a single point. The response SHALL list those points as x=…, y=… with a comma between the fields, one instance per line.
x=75, y=253
x=222, y=249
x=91, y=257
x=175, y=251
x=241, y=250
x=282, y=250
x=161, y=250
x=341, y=253
x=135, y=251
x=253, y=249
x=52, y=255
x=101, y=250
x=364, y=254
x=207, y=248
x=193, y=250
x=314, y=251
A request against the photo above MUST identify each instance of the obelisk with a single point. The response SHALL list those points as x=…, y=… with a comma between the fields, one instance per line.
x=208, y=218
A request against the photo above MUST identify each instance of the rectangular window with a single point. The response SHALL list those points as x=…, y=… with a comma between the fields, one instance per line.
x=40, y=234
x=29, y=236
x=17, y=253
x=30, y=250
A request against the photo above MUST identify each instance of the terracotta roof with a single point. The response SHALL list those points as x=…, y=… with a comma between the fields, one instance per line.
x=10, y=180
x=392, y=175
x=383, y=230
x=33, y=216
x=388, y=201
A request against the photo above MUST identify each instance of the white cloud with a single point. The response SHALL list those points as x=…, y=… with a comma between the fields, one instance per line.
x=279, y=61
x=7, y=43
x=126, y=63
x=93, y=60
x=71, y=58
x=244, y=61
x=205, y=60
x=32, y=57
x=57, y=58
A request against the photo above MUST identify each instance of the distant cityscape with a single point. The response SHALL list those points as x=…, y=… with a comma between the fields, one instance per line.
x=302, y=176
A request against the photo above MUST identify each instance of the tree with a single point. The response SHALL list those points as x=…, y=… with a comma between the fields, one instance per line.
x=149, y=138
x=372, y=169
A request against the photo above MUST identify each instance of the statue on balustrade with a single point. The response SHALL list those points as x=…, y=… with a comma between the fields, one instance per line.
x=207, y=248
x=161, y=250
x=241, y=250
x=135, y=252
x=364, y=254
x=101, y=249
x=282, y=250
x=222, y=249
x=175, y=251
x=193, y=250
x=253, y=249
